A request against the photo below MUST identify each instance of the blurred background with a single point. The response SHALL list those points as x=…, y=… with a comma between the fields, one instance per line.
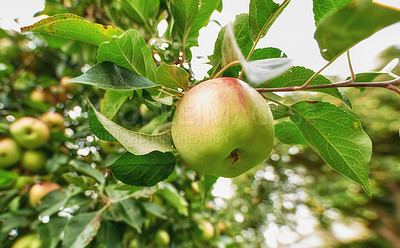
x=294, y=200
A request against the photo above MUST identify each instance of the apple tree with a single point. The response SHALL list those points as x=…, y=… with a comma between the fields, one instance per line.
x=165, y=137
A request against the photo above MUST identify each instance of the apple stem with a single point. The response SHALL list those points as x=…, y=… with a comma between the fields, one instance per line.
x=234, y=156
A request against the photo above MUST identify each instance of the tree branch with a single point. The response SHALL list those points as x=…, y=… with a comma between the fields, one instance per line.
x=391, y=85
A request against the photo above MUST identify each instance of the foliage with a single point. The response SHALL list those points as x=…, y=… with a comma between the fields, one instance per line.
x=123, y=181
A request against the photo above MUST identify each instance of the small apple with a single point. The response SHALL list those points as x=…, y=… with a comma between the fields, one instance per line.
x=38, y=96
x=10, y=153
x=162, y=238
x=39, y=190
x=54, y=121
x=145, y=112
x=33, y=160
x=207, y=230
x=28, y=241
x=30, y=132
x=70, y=87
x=223, y=127
x=22, y=182
x=195, y=187
x=221, y=226
x=58, y=92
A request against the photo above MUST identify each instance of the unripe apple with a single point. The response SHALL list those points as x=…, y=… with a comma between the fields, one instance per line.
x=38, y=96
x=22, y=182
x=59, y=93
x=54, y=121
x=10, y=153
x=30, y=132
x=33, y=160
x=39, y=190
x=28, y=241
x=223, y=127
x=207, y=230
x=70, y=87
x=162, y=238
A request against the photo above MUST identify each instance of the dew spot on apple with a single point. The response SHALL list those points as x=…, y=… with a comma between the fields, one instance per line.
x=234, y=156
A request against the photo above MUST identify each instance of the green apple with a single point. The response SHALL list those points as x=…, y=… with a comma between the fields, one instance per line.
x=162, y=238
x=28, y=241
x=39, y=190
x=207, y=230
x=54, y=121
x=223, y=127
x=22, y=182
x=38, y=96
x=10, y=153
x=145, y=112
x=33, y=160
x=30, y=132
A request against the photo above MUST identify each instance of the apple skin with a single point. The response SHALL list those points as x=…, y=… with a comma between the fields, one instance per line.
x=10, y=153
x=39, y=190
x=33, y=160
x=162, y=238
x=54, y=121
x=223, y=127
x=30, y=132
x=38, y=96
x=22, y=182
x=207, y=230
x=28, y=241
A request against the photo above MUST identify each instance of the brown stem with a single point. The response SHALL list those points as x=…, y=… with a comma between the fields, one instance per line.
x=233, y=63
x=387, y=84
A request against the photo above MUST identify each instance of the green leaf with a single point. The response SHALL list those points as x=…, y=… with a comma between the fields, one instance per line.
x=372, y=77
x=323, y=8
x=50, y=233
x=143, y=170
x=74, y=27
x=141, y=11
x=97, y=128
x=297, y=76
x=340, y=31
x=202, y=18
x=288, y=133
x=171, y=195
x=84, y=182
x=280, y=111
x=172, y=76
x=81, y=229
x=85, y=168
x=206, y=184
x=128, y=210
x=155, y=209
x=184, y=13
x=110, y=235
x=7, y=179
x=263, y=14
x=136, y=143
x=56, y=162
x=130, y=51
x=52, y=202
x=109, y=76
x=267, y=53
x=113, y=101
x=338, y=138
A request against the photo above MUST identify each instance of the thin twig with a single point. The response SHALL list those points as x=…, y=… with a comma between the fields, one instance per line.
x=314, y=76
x=386, y=84
x=233, y=63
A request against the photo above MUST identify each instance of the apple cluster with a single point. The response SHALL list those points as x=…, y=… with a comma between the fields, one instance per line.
x=28, y=135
